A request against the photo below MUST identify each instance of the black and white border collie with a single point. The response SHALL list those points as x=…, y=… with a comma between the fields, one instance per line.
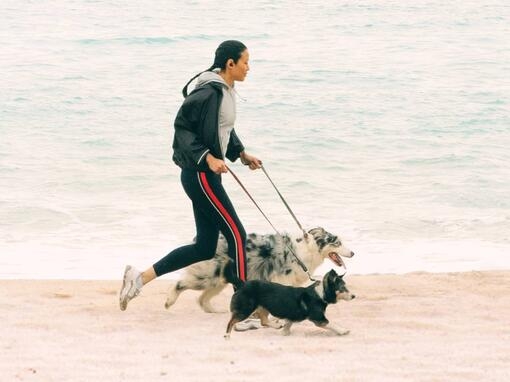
x=268, y=258
x=293, y=304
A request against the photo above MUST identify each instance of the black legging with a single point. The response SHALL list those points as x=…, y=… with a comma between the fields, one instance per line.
x=213, y=213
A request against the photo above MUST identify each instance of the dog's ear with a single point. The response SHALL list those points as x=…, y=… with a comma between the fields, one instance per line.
x=317, y=231
x=327, y=280
x=331, y=276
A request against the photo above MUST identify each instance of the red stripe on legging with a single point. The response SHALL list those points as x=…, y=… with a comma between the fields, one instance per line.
x=230, y=221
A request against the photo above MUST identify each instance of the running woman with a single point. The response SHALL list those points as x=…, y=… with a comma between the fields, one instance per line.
x=204, y=137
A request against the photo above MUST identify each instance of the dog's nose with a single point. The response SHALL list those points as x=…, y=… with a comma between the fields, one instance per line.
x=353, y=297
x=352, y=253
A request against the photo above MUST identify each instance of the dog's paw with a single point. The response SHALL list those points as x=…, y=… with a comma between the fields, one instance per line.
x=226, y=336
x=338, y=331
x=210, y=309
x=275, y=324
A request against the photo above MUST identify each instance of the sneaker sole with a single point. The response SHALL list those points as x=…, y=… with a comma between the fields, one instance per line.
x=123, y=302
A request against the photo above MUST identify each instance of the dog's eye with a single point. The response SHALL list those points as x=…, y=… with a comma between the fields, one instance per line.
x=335, y=240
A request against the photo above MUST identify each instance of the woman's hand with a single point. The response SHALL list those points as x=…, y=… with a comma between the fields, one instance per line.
x=251, y=161
x=216, y=165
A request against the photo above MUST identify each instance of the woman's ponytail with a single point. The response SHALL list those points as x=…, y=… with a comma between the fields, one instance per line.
x=185, y=88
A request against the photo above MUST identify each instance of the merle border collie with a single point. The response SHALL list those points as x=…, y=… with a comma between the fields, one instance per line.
x=268, y=258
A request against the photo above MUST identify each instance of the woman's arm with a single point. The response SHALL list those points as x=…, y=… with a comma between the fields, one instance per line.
x=186, y=139
x=236, y=150
x=235, y=147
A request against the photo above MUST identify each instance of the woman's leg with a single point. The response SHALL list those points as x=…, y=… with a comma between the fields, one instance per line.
x=220, y=209
x=214, y=212
x=204, y=247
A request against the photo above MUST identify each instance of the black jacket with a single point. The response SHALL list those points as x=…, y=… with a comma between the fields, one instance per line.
x=196, y=129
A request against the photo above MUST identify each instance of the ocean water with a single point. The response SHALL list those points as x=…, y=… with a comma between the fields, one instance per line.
x=386, y=122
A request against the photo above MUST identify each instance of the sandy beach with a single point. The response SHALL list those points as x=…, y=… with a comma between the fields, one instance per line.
x=413, y=327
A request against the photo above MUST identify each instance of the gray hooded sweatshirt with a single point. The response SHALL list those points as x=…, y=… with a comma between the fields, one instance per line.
x=227, y=115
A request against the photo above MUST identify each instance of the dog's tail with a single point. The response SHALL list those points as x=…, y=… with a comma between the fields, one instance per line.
x=229, y=272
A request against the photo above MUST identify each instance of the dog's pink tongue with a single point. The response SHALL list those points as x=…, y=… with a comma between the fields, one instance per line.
x=337, y=259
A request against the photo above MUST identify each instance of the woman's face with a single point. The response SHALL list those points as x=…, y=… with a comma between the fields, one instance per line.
x=240, y=69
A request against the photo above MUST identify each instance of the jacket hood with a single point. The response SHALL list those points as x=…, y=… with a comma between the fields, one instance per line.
x=208, y=77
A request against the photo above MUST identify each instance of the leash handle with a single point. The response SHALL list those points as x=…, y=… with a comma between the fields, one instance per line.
x=305, y=234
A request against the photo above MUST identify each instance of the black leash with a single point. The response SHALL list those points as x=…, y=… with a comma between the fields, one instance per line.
x=301, y=264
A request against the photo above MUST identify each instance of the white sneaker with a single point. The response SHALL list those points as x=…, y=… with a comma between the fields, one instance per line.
x=131, y=286
x=248, y=324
